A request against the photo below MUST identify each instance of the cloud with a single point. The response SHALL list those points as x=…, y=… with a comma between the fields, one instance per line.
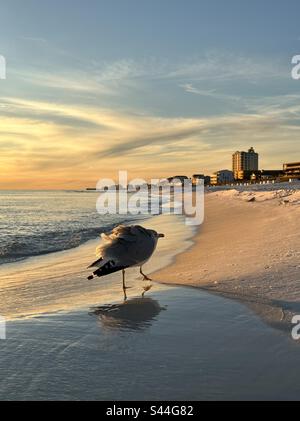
x=212, y=93
x=158, y=136
x=105, y=77
x=74, y=81
x=110, y=139
x=37, y=40
x=225, y=66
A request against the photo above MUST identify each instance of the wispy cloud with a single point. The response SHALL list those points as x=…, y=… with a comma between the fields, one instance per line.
x=72, y=81
x=212, y=93
x=224, y=66
x=38, y=40
x=107, y=77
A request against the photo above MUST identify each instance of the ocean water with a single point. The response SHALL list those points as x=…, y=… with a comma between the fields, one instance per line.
x=34, y=223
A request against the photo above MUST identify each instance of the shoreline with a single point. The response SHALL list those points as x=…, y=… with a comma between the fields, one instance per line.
x=57, y=282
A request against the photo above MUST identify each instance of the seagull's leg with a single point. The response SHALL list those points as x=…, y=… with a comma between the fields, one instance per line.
x=124, y=286
x=146, y=278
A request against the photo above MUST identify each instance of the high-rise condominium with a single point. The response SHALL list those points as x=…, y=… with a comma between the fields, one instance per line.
x=244, y=161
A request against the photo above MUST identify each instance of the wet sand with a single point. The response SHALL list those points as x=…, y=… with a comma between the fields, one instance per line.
x=179, y=344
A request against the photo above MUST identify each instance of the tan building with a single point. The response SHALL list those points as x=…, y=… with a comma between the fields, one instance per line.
x=244, y=161
x=292, y=170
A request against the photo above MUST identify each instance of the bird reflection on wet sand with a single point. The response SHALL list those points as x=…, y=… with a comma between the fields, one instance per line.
x=136, y=314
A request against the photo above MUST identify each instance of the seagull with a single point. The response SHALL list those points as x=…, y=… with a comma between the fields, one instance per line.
x=125, y=247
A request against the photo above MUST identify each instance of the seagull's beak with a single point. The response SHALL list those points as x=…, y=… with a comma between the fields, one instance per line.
x=161, y=235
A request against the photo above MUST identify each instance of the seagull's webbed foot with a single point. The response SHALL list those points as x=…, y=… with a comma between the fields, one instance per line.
x=146, y=289
x=145, y=277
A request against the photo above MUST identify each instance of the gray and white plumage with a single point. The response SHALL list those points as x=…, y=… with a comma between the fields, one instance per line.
x=124, y=247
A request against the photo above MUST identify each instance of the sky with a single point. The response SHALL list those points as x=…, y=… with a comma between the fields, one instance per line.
x=157, y=88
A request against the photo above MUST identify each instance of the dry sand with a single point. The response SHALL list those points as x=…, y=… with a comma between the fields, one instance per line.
x=247, y=250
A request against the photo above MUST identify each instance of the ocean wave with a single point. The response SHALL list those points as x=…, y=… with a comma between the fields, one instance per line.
x=38, y=223
x=21, y=247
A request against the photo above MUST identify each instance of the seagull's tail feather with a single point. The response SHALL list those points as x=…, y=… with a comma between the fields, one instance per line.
x=96, y=264
x=107, y=269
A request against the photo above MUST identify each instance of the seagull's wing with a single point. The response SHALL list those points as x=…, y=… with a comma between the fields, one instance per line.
x=124, y=247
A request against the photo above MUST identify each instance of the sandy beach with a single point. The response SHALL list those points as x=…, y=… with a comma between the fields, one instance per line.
x=247, y=248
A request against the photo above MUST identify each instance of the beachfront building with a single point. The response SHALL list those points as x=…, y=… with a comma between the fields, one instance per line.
x=178, y=179
x=292, y=170
x=262, y=175
x=200, y=178
x=222, y=177
x=244, y=161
